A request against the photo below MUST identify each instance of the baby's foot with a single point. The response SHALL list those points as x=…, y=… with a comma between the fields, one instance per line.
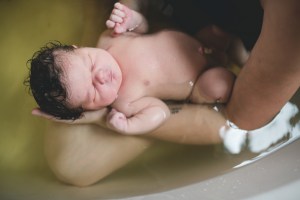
x=121, y=19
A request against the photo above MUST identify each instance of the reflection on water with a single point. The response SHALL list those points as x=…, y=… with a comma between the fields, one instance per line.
x=27, y=25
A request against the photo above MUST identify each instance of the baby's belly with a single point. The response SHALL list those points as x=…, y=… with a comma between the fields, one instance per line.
x=181, y=59
x=181, y=51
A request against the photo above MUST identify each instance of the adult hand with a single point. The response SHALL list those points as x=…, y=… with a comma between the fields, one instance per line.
x=89, y=117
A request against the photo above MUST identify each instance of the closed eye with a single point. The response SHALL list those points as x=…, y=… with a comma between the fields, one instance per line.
x=92, y=63
x=94, y=90
x=95, y=93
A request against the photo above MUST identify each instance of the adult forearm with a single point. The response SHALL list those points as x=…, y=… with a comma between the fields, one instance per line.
x=191, y=124
x=271, y=75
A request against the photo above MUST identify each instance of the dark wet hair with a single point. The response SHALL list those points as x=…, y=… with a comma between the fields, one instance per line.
x=44, y=82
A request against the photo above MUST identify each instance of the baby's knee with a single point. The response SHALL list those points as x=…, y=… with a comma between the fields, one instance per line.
x=216, y=84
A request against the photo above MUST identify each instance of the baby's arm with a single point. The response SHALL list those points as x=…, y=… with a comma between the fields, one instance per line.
x=148, y=113
x=123, y=19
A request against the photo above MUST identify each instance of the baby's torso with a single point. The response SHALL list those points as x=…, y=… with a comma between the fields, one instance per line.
x=163, y=65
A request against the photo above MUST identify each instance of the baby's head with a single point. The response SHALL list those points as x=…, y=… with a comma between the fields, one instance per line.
x=45, y=82
x=66, y=80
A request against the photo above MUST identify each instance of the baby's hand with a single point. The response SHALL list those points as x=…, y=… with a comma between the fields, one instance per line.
x=120, y=19
x=117, y=121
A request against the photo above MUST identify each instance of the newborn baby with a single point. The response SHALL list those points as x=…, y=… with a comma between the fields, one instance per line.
x=130, y=72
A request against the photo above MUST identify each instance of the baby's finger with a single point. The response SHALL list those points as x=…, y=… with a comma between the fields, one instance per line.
x=119, y=29
x=116, y=18
x=110, y=24
x=119, y=6
x=119, y=13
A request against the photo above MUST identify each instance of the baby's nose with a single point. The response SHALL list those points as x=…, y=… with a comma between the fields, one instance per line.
x=102, y=76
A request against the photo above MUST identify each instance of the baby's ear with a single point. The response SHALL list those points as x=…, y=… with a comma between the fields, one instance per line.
x=73, y=45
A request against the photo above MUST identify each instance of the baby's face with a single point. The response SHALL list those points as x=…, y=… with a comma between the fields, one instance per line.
x=92, y=77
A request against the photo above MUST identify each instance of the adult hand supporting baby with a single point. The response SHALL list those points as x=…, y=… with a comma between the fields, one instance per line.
x=97, y=117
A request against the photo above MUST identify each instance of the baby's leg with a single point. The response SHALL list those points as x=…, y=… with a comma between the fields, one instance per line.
x=213, y=85
x=83, y=154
